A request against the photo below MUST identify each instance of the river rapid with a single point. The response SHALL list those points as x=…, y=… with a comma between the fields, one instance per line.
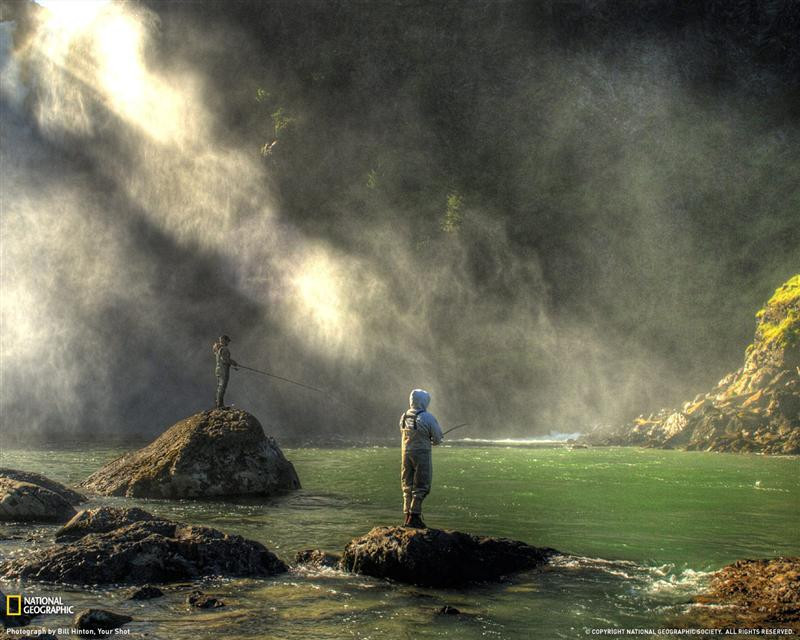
x=644, y=529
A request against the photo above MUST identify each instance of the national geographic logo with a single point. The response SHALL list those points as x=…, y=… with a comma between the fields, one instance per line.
x=20, y=605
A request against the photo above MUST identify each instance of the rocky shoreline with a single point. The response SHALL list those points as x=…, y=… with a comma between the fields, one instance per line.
x=755, y=409
x=760, y=594
x=117, y=545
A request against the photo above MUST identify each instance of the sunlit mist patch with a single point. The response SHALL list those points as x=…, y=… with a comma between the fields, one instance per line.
x=98, y=47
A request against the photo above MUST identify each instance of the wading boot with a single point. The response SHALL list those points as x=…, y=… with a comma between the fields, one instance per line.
x=415, y=522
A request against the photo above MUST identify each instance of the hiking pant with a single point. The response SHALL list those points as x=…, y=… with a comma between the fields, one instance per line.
x=222, y=384
x=416, y=475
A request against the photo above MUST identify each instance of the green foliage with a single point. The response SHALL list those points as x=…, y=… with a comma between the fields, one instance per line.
x=453, y=216
x=281, y=120
x=780, y=318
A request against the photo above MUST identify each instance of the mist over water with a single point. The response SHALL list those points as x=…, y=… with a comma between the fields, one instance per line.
x=138, y=223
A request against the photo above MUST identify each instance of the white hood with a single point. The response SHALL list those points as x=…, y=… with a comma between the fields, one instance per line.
x=419, y=399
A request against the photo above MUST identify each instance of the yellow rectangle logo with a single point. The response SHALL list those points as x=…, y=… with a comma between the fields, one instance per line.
x=9, y=609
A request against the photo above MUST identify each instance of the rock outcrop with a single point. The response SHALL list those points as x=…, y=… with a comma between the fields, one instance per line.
x=753, y=594
x=73, y=497
x=26, y=502
x=436, y=558
x=149, y=551
x=754, y=409
x=222, y=452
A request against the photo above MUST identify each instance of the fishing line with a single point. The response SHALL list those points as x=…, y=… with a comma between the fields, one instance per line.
x=328, y=395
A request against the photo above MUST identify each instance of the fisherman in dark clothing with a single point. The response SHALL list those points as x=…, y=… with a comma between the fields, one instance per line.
x=223, y=369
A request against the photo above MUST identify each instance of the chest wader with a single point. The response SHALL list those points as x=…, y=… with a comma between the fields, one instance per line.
x=416, y=471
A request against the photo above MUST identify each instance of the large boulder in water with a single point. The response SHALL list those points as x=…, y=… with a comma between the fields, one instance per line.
x=73, y=497
x=26, y=502
x=436, y=558
x=148, y=551
x=222, y=452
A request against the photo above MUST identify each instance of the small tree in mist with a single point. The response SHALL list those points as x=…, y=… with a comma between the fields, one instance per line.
x=453, y=214
x=281, y=120
x=279, y=117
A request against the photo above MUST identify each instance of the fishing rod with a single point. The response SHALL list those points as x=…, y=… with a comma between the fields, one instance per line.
x=458, y=426
x=272, y=375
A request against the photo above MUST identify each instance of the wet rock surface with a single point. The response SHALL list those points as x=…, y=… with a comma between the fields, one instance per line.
x=147, y=592
x=754, y=409
x=222, y=452
x=318, y=558
x=148, y=551
x=99, y=620
x=437, y=558
x=26, y=502
x=754, y=593
x=102, y=520
x=447, y=610
x=73, y=497
x=200, y=600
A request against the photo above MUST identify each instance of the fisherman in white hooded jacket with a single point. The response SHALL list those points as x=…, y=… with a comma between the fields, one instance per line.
x=420, y=430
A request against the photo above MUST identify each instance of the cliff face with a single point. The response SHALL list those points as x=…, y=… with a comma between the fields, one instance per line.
x=756, y=408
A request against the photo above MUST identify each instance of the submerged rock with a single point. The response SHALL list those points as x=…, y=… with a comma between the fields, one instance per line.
x=447, y=610
x=318, y=558
x=223, y=452
x=755, y=593
x=102, y=520
x=146, y=551
x=147, y=592
x=200, y=600
x=26, y=502
x=73, y=497
x=754, y=409
x=99, y=620
x=436, y=558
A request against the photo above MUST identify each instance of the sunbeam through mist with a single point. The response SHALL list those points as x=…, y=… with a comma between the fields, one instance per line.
x=555, y=271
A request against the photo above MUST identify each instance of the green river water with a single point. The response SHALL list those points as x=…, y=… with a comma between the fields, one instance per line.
x=644, y=528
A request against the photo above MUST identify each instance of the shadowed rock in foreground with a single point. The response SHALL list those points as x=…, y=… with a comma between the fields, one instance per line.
x=148, y=551
x=754, y=409
x=223, y=452
x=753, y=593
x=73, y=497
x=436, y=558
x=99, y=620
x=26, y=502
